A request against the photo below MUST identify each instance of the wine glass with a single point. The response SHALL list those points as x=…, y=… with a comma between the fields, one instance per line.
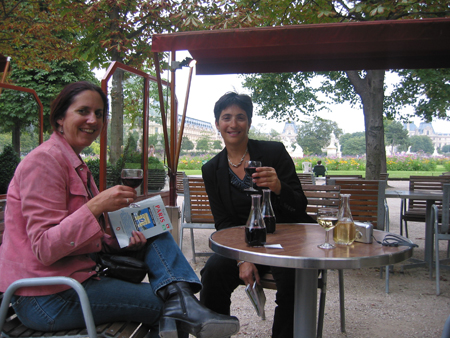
x=132, y=178
x=250, y=168
x=327, y=218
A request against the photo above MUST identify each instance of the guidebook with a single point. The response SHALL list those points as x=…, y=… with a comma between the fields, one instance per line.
x=148, y=216
x=257, y=297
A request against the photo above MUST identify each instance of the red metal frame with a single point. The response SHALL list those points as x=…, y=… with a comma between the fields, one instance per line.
x=103, y=137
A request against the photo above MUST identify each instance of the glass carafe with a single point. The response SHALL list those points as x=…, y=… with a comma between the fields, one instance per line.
x=255, y=230
x=267, y=212
x=345, y=231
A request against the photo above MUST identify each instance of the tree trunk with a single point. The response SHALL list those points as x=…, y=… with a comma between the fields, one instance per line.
x=16, y=138
x=116, y=116
x=371, y=91
x=116, y=96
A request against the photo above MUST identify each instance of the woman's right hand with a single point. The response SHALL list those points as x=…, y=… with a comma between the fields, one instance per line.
x=111, y=199
x=248, y=273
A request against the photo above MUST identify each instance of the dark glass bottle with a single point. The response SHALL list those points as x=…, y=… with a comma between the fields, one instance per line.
x=255, y=230
x=267, y=212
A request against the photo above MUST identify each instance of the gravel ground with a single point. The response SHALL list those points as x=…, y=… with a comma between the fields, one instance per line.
x=411, y=309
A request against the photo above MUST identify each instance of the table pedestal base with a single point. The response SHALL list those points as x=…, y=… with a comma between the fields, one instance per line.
x=305, y=300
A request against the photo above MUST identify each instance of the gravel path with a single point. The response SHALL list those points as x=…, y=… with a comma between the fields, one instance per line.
x=411, y=309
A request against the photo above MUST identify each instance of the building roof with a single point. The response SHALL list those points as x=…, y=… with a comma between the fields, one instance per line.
x=388, y=44
x=290, y=125
x=425, y=125
x=196, y=123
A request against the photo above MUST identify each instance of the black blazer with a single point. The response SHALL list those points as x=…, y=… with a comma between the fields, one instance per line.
x=289, y=206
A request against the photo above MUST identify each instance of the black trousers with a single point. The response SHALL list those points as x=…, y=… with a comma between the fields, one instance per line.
x=220, y=277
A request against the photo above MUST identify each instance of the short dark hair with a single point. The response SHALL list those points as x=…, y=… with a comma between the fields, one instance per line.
x=229, y=99
x=66, y=97
x=319, y=162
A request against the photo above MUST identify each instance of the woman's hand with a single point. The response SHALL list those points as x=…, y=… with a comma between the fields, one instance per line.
x=248, y=273
x=268, y=178
x=137, y=241
x=111, y=199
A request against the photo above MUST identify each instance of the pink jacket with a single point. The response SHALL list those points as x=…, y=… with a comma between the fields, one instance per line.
x=49, y=231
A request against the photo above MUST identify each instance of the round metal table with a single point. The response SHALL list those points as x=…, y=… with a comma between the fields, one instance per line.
x=299, y=250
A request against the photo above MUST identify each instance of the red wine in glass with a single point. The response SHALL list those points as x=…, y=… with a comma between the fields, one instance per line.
x=132, y=178
x=133, y=182
x=250, y=169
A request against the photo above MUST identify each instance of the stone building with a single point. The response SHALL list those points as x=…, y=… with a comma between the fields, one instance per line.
x=194, y=129
x=426, y=129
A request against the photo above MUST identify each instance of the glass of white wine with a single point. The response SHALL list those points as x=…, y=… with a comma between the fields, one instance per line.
x=327, y=218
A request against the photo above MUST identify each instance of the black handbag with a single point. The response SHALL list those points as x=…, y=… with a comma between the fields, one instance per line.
x=126, y=268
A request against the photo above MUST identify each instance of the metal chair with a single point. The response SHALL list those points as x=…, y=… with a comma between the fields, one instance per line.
x=10, y=325
x=414, y=210
x=195, y=211
x=441, y=232
x=307, y=167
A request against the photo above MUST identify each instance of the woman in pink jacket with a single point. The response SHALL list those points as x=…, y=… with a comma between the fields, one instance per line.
x=54, y=223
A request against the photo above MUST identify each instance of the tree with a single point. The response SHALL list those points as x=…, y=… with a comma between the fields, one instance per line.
x=33, y=33
x=353, y=144
x=217, y=145
x=283, y=95
x=203, y=144
x=18, y=110
x=396, y=135
x=187, y=144
x=445, y=149
x=121, y=30
x=101, y=31
x=421, y=143
x=256, y=133
x=315, y=135
x=8, y=163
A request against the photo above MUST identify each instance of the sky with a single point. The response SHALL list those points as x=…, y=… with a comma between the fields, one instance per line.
x=207, y=89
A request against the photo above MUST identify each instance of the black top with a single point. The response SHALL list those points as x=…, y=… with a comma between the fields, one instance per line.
x=319, y=169
x=230, y=205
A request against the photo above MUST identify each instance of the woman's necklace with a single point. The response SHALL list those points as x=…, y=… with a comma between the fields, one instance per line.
x=240, y=162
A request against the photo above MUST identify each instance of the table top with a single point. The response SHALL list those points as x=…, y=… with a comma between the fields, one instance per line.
x=415, y=194
x=299, y=249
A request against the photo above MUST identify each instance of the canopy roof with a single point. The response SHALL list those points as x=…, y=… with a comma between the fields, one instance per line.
x=395, y=44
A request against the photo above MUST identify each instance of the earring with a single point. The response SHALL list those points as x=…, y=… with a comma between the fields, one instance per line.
x=61, y=130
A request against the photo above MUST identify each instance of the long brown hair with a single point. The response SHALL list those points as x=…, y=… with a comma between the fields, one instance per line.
x=66, y=97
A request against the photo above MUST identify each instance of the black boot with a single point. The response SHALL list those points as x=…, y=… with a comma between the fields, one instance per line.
x=183, y=312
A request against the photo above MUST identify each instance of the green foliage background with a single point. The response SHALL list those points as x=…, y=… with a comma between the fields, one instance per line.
x=8, y=163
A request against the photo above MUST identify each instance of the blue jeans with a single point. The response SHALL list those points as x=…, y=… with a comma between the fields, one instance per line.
x=112, y=299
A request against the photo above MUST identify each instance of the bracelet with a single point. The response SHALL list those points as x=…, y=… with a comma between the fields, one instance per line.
x=240, y=262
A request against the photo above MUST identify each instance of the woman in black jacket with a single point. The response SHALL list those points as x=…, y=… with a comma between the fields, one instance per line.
x=225, y=181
